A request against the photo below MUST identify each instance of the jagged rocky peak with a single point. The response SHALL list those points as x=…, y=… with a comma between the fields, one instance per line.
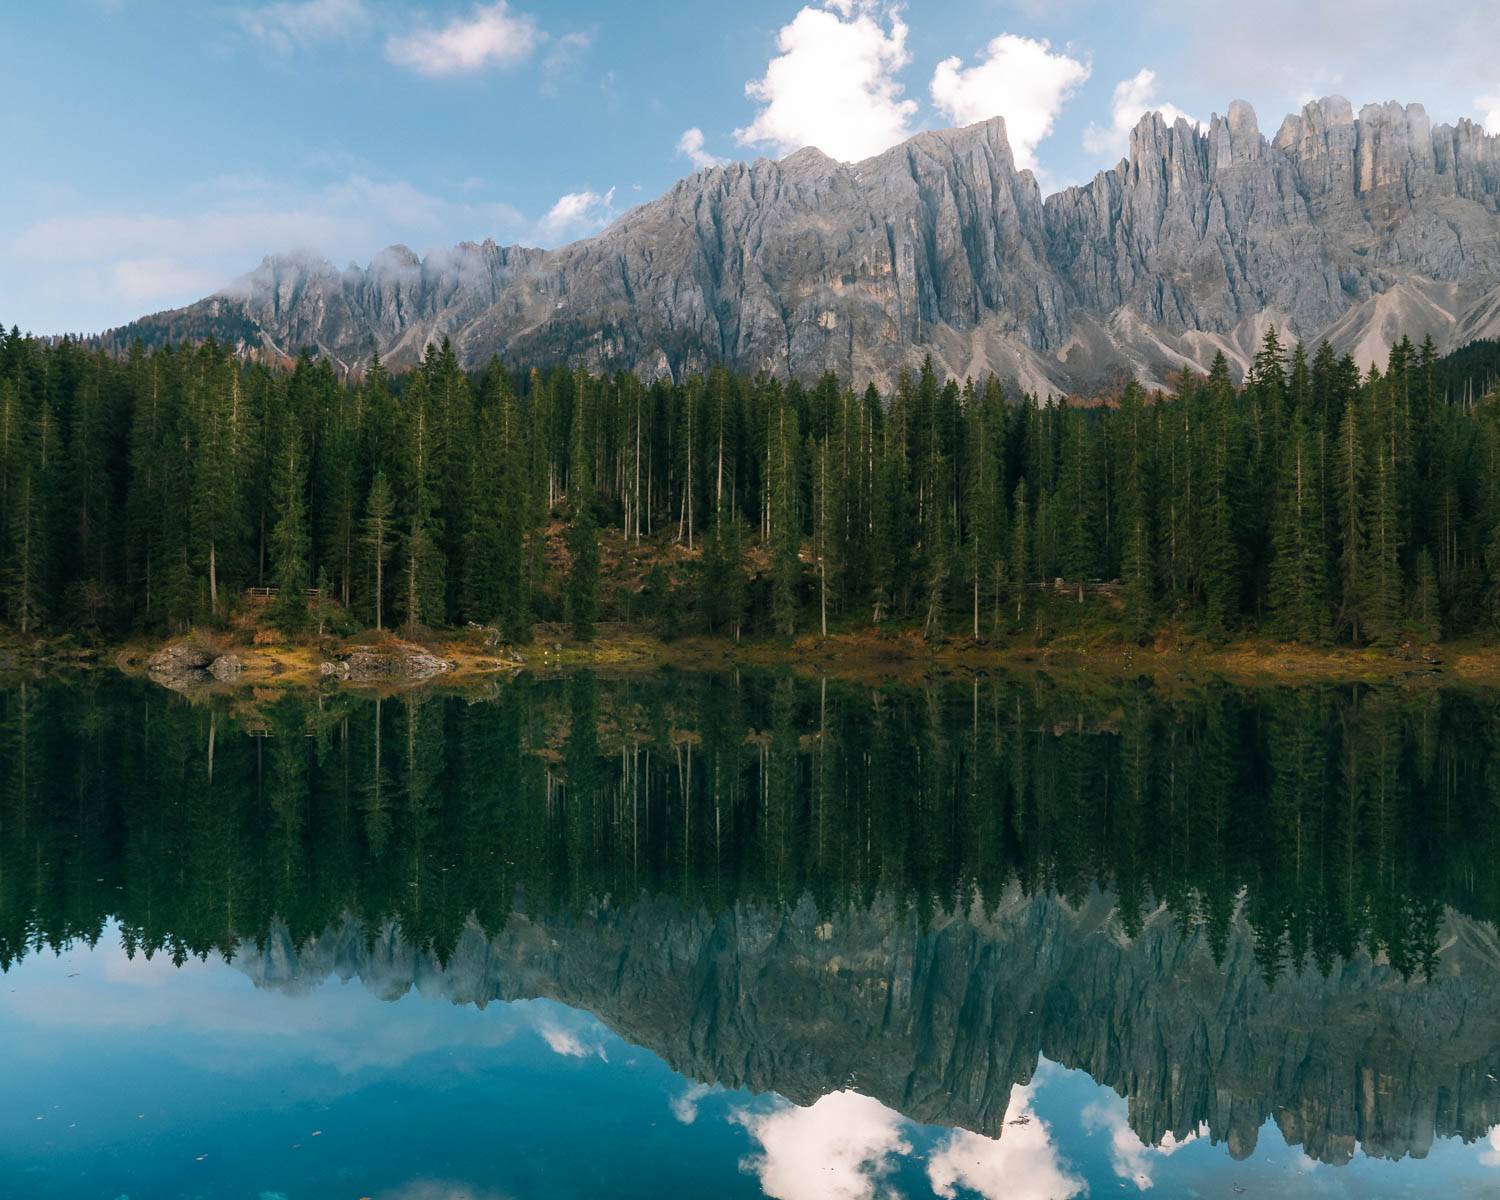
x=1191, y=245
x=941, y=1016
x=1236, y=137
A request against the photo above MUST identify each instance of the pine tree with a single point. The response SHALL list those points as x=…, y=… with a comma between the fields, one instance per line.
x=289, y=543
x=1077, y=502
x=1296, y=593
x=785, y=518
x=1215, y=549
x=1133, y=480
x=583, y=535
x=1020, y=548
x=423, y=569
x=1349, y=486
x=379, y=538
x=1425, y=602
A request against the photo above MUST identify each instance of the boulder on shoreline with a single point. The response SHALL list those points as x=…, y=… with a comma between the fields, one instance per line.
x=392, y=662
x=226, y=667
x=180, y=665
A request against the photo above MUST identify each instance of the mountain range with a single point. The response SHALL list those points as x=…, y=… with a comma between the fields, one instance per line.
x=939, y=1018
x=1357, y=228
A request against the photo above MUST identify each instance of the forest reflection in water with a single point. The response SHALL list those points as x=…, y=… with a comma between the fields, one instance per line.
x=1227, y=905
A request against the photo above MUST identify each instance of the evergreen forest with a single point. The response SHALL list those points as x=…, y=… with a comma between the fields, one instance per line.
x=1316, y=502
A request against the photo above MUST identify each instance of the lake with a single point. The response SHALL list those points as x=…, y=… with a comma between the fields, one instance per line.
x=749, y=934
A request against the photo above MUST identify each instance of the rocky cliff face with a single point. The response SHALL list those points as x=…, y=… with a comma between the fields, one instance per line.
x=1358, y=228
x=941, y=1020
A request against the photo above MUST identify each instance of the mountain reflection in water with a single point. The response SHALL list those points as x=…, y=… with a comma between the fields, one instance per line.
x=1230, y=907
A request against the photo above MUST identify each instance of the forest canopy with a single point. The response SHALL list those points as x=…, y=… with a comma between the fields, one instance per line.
x=146, y=493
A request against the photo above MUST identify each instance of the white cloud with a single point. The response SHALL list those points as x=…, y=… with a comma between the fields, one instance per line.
x=440, y=1189
x=565, y=53
x=147, y=280
x=493, y=35
x=1132, y=1160
x=576, y=215
x=249, y=215
x=1021, y=1164
x=91, y=269
x=1133, y=98
x=685, y=1105
x=1369, y=52
x=1490, y=1157
x=840, y=1148
x=290, y=26
x=1019, y=79
x=833, y=85
x=690, y=146
x=1490, y=106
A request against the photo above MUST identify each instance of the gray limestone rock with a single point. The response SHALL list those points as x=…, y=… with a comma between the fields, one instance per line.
x=939, y=1018
x=1191, y=245
x=392, y=662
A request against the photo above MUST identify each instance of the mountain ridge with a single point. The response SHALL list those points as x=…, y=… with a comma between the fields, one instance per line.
x=1358, y=228
x=940, y=1018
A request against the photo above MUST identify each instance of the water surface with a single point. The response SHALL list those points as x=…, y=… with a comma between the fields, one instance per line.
x=745, y=935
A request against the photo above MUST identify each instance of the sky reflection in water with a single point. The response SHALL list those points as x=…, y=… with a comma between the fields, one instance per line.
x=142, y=1079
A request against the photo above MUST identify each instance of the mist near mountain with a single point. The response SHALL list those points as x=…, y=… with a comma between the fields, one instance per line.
x=1358, y=228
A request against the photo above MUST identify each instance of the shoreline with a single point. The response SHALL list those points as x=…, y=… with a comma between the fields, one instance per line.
x=864, y=656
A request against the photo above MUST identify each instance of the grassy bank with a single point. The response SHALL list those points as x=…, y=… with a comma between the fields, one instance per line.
x=870, y=656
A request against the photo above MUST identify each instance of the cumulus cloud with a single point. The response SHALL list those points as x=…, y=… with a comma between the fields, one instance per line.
x=685, y=1105
x=576, y=215
x=491, y=36
x=292, y=26
x=1489, y=106
x=1132, y=1160
x=833, y=83
x=1021, y=1164
x=1017, y=78
x=840, y=1148
x=1133, y=98
x=1490, y=1156
x=690, y=146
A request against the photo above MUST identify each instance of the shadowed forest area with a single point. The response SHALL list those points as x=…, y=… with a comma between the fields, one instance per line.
x=1331, y=819
x=1317, y=502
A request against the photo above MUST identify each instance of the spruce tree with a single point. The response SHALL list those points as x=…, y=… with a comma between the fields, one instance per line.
x=1296, y=593
x=423, y=570
x=785, y=517
x=582, y=595
x=1349, y=489
x=379, y=539
x=289, y=542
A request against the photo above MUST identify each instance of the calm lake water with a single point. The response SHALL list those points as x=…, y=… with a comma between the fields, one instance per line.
x=749, y=935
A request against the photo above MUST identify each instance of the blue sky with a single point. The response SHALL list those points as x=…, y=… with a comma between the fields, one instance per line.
x=155, y=151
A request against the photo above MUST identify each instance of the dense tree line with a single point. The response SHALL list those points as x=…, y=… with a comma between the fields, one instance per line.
x=1329, y=818
x=1313, y=502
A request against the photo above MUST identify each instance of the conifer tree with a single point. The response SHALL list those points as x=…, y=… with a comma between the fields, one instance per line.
x=1133, y=481
x=423, y=569
x=379, y=539
x=1425, y=602
x=1020, y=548
x=1296, y=594
x=1077, y=502
x=1349, y=486
x=785, y=518
x=583, y=535
x=289, y=541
